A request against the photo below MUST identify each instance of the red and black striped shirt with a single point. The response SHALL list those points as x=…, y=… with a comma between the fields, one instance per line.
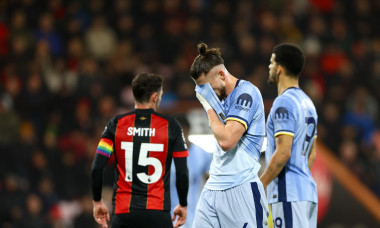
x=144, y=143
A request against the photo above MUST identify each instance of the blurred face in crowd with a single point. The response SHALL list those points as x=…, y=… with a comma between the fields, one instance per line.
x=273, y=71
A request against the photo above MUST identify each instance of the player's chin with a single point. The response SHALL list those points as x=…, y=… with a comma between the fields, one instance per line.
x=271, y=81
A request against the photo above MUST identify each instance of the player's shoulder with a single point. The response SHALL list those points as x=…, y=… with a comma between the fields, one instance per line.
x=171, y=119
x=284, y=101
x=299, y=98
x=246, y=85
x=245, y=88
x=163, y=116
x=122, y=115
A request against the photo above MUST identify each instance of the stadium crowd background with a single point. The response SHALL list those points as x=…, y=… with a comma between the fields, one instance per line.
x=66, y=69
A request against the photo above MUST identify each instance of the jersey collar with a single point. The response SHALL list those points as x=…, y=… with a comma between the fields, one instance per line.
x=237, y=83
x=293, y=87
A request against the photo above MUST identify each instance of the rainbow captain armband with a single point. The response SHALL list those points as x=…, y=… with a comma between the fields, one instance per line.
x=105, y=147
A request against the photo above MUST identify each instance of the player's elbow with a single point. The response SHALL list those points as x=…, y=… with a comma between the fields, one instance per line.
x=96, y=169
x=226, y=145
x=288, y=153
x=285, y=154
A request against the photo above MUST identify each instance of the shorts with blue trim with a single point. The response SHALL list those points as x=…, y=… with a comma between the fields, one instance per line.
x=243, y=206
x=294, y=214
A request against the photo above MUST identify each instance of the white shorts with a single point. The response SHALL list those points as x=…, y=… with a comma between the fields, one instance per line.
x=294, y=214
x=243, y=206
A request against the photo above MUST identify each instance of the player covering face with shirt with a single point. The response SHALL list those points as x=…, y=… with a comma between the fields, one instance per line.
x=233, y=195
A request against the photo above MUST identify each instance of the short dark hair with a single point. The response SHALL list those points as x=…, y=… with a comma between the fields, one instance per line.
x=205, y=61
x=290, y=57
x=144, y=85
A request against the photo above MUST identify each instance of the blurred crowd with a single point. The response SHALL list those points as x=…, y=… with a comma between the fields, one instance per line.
x=66, y=69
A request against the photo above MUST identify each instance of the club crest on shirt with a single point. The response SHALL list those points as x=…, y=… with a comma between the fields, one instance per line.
x=244, y=102
x=281, y=113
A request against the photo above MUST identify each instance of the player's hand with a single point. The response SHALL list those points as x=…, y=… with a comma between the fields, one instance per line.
x=181, y=212
x=203, y=101
x=101, y=214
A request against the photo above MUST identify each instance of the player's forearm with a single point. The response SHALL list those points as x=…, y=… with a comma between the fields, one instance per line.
x=97, y=176
x=275, y=165
x=182, y=179
x=312, y=155
x=228, y=134
x=310, y=161
x=217, y=128
x=310, y=164
x=96, y=184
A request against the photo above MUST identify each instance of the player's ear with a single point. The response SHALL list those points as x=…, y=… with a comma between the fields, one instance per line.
x=280, y=69
x=222, y=74
x=154, y=97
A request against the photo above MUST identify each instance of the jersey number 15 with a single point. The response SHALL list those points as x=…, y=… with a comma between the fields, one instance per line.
x=143, y=160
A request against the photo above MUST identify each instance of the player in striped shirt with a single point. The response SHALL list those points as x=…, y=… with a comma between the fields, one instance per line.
x=291, y=132
x=144, y=143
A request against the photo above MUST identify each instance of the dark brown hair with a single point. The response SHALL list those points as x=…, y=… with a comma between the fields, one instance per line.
x=144, y=85
x=290, y=57
x=205, y=61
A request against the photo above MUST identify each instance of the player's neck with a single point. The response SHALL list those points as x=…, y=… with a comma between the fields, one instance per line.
x=231, y=84
x=145, y=106
x=286, y=82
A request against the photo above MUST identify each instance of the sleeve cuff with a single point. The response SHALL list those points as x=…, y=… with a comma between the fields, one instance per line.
x=238, y=120
x=181, y=154
x=283, y=133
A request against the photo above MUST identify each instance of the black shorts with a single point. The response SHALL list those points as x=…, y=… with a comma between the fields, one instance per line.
x=142, y=219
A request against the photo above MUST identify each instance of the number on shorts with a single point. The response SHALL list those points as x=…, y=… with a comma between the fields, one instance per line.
x=278, y=222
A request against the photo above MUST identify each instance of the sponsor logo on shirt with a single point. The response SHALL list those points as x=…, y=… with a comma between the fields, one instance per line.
x=281, y=113
x=244, y=102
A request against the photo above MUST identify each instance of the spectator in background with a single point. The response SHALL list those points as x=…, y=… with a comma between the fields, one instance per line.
x=100, y=39
x=85, y=218
x=9, y=121
x=330, y=126
x=12, y=200
x=89, y=79
x=33, y=215
x=20, y=28
x=361, y=109
x=199, y=165
x=46, y=31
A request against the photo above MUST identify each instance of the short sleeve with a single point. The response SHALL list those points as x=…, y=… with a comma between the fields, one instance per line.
x=243, y=104
x=110, y=128
x=179, y=142
x=105, y=146
x=283, y=117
